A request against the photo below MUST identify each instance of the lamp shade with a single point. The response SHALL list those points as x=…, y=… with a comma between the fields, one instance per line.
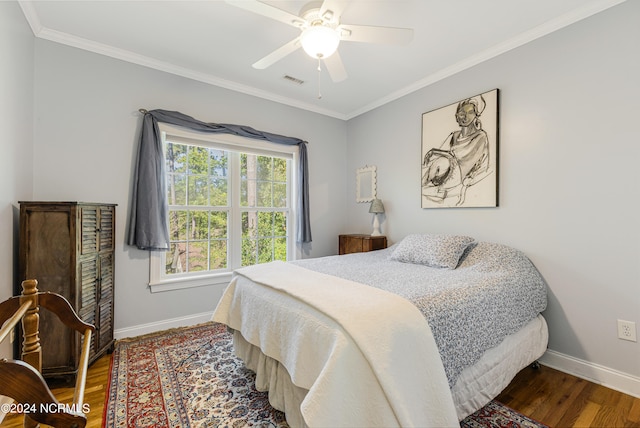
x=319, y=41
x=376, y=207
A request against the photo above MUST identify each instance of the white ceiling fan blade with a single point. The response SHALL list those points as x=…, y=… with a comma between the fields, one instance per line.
x=278, y=54
x=335, y=67
x=268, y=11
x=369, y=34
x=331, y=10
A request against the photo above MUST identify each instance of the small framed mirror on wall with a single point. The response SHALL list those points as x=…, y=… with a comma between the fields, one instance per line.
x=366, y=184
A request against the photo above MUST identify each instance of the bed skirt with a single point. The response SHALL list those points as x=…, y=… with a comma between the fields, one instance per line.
x=475, y=387
x=482, y=382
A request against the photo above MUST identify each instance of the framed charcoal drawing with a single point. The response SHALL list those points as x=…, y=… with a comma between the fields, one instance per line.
x=460, y=154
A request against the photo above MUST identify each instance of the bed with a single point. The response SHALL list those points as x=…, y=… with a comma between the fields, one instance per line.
x=422, y=333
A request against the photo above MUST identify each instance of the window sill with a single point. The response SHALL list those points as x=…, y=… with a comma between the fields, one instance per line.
x=189, y=282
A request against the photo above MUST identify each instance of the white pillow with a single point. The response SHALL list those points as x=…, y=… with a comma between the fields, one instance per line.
x=438, y=251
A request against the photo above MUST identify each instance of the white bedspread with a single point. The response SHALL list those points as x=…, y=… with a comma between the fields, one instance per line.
x=366, y=361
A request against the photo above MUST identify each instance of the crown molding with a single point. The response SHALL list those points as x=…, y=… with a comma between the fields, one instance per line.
x=132, y=57
x=520, y=40
x=542, y=30
x=44, y=33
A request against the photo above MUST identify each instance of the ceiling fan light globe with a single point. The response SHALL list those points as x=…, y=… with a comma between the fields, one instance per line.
x=319, y=41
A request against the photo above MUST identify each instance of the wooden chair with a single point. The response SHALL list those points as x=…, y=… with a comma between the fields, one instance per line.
x=22, y=380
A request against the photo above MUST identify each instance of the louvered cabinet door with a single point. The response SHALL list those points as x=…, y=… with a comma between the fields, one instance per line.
x=98, y=224
x=104, y=293
x=87, y=303
x=88, y=216
x=97, y=229
x=106, y=228
x=104, y=316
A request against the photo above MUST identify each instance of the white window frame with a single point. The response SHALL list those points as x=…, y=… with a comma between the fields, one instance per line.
x=158, y=280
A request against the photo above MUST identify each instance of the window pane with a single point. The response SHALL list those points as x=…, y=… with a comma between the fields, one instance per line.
x=265, y=168
x=176, y=158
x=219, y=163
x=280, y=249
x=244, y=193
x=243, y=166
x=198, y=225
x=218, y=192
x=218, y=224
x=265, y=224
x=280, y=195
x=265, y=250
x=177, y=225
x=248, y=252
x=176, y=258
x=198, y=256
x=198, y=194
x=218, y=255
x=176, y=188
x=198, y=160
x=279, y=169
x=251, y=198
x=264, y=194
x=279, y=224
x=249, y=224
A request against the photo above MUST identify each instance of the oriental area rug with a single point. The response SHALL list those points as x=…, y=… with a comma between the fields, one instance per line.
x=190, y=377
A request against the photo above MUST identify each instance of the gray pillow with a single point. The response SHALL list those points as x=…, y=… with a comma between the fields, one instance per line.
x=438, y=251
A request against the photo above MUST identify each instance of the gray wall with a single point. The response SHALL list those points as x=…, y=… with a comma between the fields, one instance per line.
x=16, y=122
x=569, y=194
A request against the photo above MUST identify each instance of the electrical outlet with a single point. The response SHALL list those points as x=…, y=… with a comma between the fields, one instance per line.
x=627, y=330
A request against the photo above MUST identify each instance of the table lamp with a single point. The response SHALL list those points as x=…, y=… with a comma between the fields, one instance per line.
x=375, y=209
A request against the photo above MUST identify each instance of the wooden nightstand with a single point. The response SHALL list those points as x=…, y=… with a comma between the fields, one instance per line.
x=360, y=243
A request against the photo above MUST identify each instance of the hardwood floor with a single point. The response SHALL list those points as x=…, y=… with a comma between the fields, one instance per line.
x=546, y=395
x=97, y=378
x=558, y=399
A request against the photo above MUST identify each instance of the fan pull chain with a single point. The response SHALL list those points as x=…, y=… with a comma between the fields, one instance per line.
x=319, y=70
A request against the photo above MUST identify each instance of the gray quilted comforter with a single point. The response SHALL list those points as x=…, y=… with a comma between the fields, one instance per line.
x=493, y=292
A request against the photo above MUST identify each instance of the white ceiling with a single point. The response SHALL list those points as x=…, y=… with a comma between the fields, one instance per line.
x=214, y=42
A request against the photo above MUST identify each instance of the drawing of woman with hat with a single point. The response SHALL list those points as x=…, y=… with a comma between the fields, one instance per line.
x=463, y=158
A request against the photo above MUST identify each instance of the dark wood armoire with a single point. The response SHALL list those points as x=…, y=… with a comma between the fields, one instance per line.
x=68, y=247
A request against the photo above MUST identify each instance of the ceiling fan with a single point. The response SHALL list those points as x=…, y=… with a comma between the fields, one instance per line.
x=322, y=32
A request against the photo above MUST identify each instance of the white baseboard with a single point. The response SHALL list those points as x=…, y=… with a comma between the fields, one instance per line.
x=139, y=330
x=595, y=373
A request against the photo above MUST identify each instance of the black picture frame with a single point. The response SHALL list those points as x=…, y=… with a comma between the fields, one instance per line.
x=460, y=153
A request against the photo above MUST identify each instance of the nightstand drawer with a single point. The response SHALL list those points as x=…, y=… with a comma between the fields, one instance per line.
x=360, y=243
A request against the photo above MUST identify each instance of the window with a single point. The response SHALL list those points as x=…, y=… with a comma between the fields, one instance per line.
x=229, y=206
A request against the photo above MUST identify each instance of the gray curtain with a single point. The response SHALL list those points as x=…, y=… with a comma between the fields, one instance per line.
x=148, y=222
